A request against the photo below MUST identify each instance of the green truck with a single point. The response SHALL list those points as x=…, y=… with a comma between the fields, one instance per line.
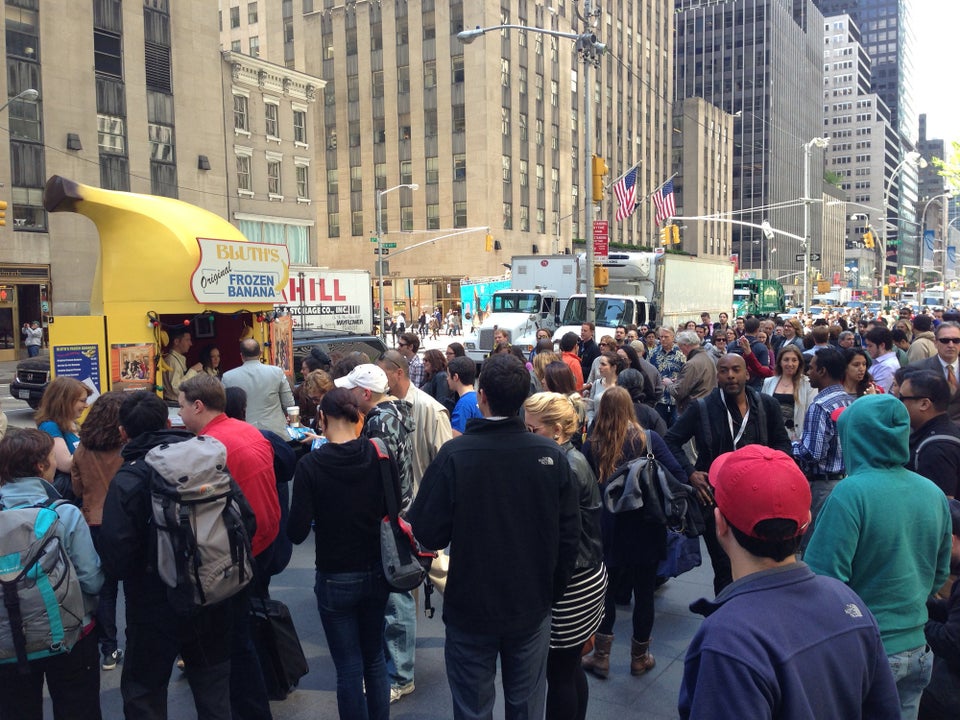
x=757, y=297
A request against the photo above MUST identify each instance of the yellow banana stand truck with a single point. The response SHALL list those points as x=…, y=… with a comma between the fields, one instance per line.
x=165, y=266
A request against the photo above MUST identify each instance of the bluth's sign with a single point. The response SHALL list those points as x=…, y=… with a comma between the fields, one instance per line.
x=231, y=272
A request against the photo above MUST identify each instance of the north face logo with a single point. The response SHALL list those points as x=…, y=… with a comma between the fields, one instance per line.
x=853, y=611
x=546, y=461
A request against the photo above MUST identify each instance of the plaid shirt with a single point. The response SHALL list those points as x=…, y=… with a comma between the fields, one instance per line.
x=416, y=371
x=818, y=451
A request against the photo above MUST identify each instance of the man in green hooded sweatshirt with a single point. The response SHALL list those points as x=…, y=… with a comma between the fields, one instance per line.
x=886, y=532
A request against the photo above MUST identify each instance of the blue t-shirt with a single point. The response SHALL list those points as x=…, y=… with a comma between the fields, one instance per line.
x=465, y=409
x=53, y=430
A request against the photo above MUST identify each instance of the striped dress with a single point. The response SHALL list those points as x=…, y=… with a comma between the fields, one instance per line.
x=577, y=615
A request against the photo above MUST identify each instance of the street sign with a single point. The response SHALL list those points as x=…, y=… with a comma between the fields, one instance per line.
x=799, y=257
x=814, y=257
x=379, y=251
x=389, y=245
x=601, y=238
x=373, y=240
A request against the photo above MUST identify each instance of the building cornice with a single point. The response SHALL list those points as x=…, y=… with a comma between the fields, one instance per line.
x=255, y=72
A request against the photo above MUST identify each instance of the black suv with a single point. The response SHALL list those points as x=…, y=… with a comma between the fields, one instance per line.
x=336, y=345
x=31, y=380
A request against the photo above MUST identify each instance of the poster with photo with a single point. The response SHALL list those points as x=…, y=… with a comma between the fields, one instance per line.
x=281, y=340
x=81, y=362
x=132, y=366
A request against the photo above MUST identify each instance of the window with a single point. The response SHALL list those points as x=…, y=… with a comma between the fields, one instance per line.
x=380, y=176
x=523, y=127
x=25, y=120
x=353, y=88
x=333, y=225
x=539, y=177
x=271, y=112
x=243, y=173
x=541, y=221
x=240, y=116
x=273, y=177
x=524, y=172
x=406, y=172
x=107, y=53
x=508, y=216
x=430, y=74
x=433, y=170
x=406, y=219
x=433, y=217
x=254, y=46
x=524, y=218
x=333, y=182
x=377, y=84
x=403, y=79
x=459, y=118
x=235, y=17
x=251, y=13
x=110, y=135
x=459, y=166
x=506, y=168
x=356, y=223
x=161, y=142
x=356, y=179
x=430, y=124
x=303, y=181
x=460, y=214
x=300, y=126
x=457, y=68
x=505, y=72
x=236, y=46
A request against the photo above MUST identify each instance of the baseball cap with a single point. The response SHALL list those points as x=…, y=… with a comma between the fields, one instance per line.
x=757, y=483
x=367, y=376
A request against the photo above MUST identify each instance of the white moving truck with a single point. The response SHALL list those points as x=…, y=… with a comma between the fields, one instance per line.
x=325, y=299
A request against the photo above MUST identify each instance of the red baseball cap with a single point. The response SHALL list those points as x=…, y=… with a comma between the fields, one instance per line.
x=758, y=483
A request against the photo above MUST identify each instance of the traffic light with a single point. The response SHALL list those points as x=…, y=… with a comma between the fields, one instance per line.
x=489, y=243
x=3, y=212
x=675, y=234
x=868, y=239
x=665, y=235
x=599, y=168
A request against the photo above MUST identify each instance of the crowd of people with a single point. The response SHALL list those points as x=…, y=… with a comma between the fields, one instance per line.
x=824, y=458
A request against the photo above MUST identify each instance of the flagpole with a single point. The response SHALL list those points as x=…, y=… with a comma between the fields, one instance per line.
x=629, y=170
x=660, y=186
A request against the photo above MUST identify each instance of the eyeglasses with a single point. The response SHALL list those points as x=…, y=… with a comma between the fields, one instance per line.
x=402, y=344
x=914, y=397
x=954, y=340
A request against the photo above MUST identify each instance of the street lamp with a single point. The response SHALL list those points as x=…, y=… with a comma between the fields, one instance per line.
x=590, y=51
x=923, y=230
x=820, y=142
x=380, y=194
x=29, y=94
x=913, y=159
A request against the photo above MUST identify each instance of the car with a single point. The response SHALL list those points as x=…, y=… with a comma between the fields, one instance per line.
x=336, y=345
x=31, y=380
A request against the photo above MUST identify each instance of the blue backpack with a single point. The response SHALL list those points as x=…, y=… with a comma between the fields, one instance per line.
x=42, y=611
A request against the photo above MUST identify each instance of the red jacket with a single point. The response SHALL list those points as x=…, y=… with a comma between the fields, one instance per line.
x=250, y=461
x=573, y=362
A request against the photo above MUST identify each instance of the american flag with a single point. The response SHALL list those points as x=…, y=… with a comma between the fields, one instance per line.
x=663, y=199
x=626, y=191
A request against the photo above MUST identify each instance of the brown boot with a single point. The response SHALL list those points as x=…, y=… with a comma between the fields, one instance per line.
x=598, y=662
x=641, y=658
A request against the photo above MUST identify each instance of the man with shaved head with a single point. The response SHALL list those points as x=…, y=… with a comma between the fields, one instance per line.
x=730, y=417
x=268, y=390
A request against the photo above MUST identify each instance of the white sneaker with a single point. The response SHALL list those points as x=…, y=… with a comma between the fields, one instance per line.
x=398, y=691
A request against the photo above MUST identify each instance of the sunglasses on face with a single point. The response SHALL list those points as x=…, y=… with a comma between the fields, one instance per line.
x=954, y=340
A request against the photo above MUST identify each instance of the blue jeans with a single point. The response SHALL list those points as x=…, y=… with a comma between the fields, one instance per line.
x=33, y=350
x=471, y=660
x=352, y=610
x=400, y=637
x=911, y=669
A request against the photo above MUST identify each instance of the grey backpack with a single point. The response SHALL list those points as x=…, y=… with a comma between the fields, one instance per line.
x=203, y=547
x=42, y=610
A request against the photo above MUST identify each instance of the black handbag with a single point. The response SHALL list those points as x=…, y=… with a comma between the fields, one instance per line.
x=278, y=647
x=644, y=484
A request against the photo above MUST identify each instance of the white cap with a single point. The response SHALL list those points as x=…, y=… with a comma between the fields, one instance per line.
x=367, y=376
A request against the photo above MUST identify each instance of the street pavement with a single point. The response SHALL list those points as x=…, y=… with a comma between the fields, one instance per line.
x=653, y=695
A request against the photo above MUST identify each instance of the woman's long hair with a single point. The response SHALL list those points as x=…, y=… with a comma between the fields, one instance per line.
x=848, y=355
x=58, y=401
x=615, y=424
x=438, y=363
x=101, y=429
x=558, y=377
x=798, y=377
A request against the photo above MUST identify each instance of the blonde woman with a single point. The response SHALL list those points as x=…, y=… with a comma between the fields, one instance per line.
x=790, y=387
x=577, y=615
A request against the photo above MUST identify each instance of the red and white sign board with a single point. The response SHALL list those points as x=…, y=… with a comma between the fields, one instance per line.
x=601, y=238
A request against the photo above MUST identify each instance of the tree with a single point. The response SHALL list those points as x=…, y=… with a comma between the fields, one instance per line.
x=950, y=168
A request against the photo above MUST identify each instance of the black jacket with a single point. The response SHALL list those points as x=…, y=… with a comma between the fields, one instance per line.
x=940, y=459
x=127, y=545
x=590, y=551
x=503, y=499
x=589, y=351
x=942, y=631
x=713, y=437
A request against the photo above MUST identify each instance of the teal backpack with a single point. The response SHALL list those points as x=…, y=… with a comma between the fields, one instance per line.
x=42, y=610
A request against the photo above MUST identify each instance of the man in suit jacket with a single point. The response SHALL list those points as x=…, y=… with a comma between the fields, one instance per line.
x=698, y=377
x=268, y=392
x=945, y=363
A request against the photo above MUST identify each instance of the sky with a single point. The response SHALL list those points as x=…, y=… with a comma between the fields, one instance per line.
x=935, y=24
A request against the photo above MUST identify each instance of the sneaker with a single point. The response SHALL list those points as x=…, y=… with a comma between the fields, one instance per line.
x=398, y=691
x=110, y=661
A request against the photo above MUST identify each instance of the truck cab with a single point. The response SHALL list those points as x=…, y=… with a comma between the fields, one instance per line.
x=519, y=313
